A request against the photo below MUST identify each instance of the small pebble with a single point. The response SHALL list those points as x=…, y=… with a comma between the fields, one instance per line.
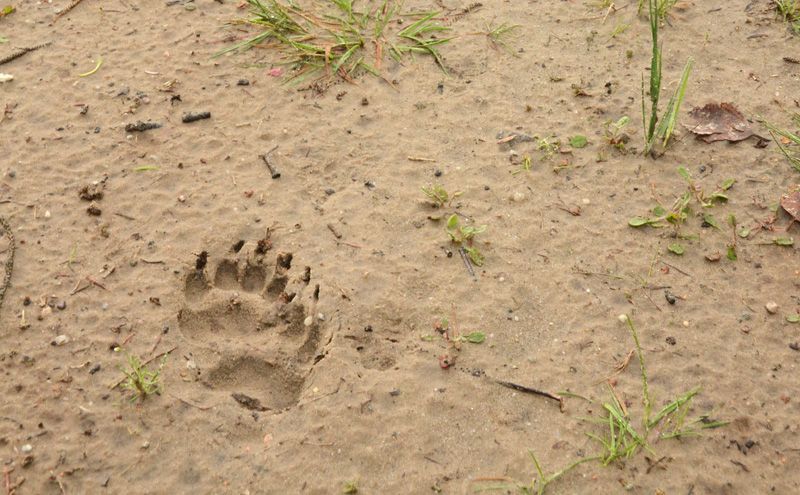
x=243, y=82
x=309, y=321
x=669, y=297
x=320, y=317
x=623, y=318
x=145, y=445
x=330, y=191
x=47, y=214
x=518, y=197
x=61, y=305
x=60, y=340
x=46, y=311
x=772, y=307
x=437, y=173
x=394, y=392
x=686, y=323
x=26, y=449
x=585, y=201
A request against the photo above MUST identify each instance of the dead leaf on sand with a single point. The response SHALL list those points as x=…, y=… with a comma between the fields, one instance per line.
x=719, y=122
x=791, y=203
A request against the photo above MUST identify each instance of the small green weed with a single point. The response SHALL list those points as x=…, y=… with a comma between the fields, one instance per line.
x=660, y=131
x=464, y=236
x=439, y=195
x=334, y=40
x=789, y=10
x=615, y=135
x=141, y=380
x=503, y=36
x=787, y=141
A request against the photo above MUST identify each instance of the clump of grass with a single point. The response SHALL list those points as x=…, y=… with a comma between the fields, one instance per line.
x=659, y=131
x=623, y=438
x=788, y=142
x=141, y=380
x=503, y=36
x=789, y=10
x=335, y=39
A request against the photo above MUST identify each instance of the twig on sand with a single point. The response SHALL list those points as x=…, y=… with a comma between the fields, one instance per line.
x=272, y=170
x=467, y=262
x=529, y=390
x=22, y=51
x=66, y=10
x=9, y=264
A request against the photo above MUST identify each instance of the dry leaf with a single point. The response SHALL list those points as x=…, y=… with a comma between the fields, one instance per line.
x=719, y=122
x=791, y=203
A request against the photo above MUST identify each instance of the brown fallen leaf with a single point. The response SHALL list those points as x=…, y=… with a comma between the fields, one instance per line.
x=791, y=203
x=719, y=122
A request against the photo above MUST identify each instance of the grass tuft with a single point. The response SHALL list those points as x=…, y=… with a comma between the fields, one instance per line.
x=336, y=40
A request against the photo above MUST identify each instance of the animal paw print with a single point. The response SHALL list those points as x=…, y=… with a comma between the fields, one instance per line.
x=253, y=320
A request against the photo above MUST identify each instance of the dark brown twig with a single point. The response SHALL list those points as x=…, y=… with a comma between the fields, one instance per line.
x=22, y=51
x=272, y=170
x=529, y=390
x=65, y=11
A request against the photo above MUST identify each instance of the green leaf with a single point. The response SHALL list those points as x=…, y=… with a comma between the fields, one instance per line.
x=676, y=249
x=659, y=211
x=475, y=337
x=793, y=318
x=578, y=141
x=718, y=196
x=452, y=222
x=145, y=168
x=744, y=232
x=8, y=9
x=427, y=338
x=684, y=173
x=475, y=256
x=783, y=241
x=638, y=221
x=732, y=253
x=732, y=220
x=727, y=184
x=710, y=220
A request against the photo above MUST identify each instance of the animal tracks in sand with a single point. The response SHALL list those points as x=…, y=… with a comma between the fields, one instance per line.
x=251, y=318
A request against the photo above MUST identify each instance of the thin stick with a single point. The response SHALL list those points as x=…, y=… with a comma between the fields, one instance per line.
x=22, y=51
x=529, y=390
x=467, y=262
x=65, y=11
x=272, y=170
x=112, y=387
x=677, y=269
x=9, y=264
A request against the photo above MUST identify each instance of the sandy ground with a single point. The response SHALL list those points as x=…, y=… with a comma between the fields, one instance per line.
x=339, y=385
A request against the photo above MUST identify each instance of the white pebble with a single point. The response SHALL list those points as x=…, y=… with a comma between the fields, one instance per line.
x=309, y=321
x=26, y=449
x=772, y=307
x=47, y=214
x=60, y=340
x=585, y=201
x=320, y=317
x=623, y=318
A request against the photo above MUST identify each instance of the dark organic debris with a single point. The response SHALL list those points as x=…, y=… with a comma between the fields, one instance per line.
x=94, y=210
x=22, y=51
x=791, y=204
x=529, y=390
x=91, y=192
x=194, y=117
x=141, y=126
x=719, y=122
x=248, y=402
x=202, y=260
x=272, y=170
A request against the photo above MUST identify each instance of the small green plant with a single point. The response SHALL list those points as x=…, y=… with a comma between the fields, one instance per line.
x=660, y=131
x=789, y=10
x=615, y=135
x=464, y=236
x=350, y=488
x=503, y=36
x=547, y=146
x=141, y=380
x=439, y=195
x=524, y=166
x=788, y=142
x=623, y=438
x=334, y=40
x=680, y=209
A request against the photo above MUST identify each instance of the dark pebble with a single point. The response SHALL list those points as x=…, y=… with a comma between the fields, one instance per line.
x=795, y=346
x=669, y=297
x=94, y=369
x=394, y=392
x=671, y=341
x=329, y=191
x=437, y=173
x=61, y=305
x=368, y=328
x=369, y=184
x=243, y=82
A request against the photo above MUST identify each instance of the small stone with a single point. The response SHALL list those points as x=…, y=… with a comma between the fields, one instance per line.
x=437, y=173
x=586, y=201
x=772, y=307
x=47, y=214
x=394, y=392
x=60, y=340
x=364, y=101
x=190, y=7
x=243, y=82
x=669, y=297
x=623, y=318
x=145, y=445
x=320, y=317
x=686, y=323
x=94, y=210
x=671, y=341
x=309, y=321
x=330, y=191
x=26, y=449
x=518, y=197
x=181, y=198
x=61, y=305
